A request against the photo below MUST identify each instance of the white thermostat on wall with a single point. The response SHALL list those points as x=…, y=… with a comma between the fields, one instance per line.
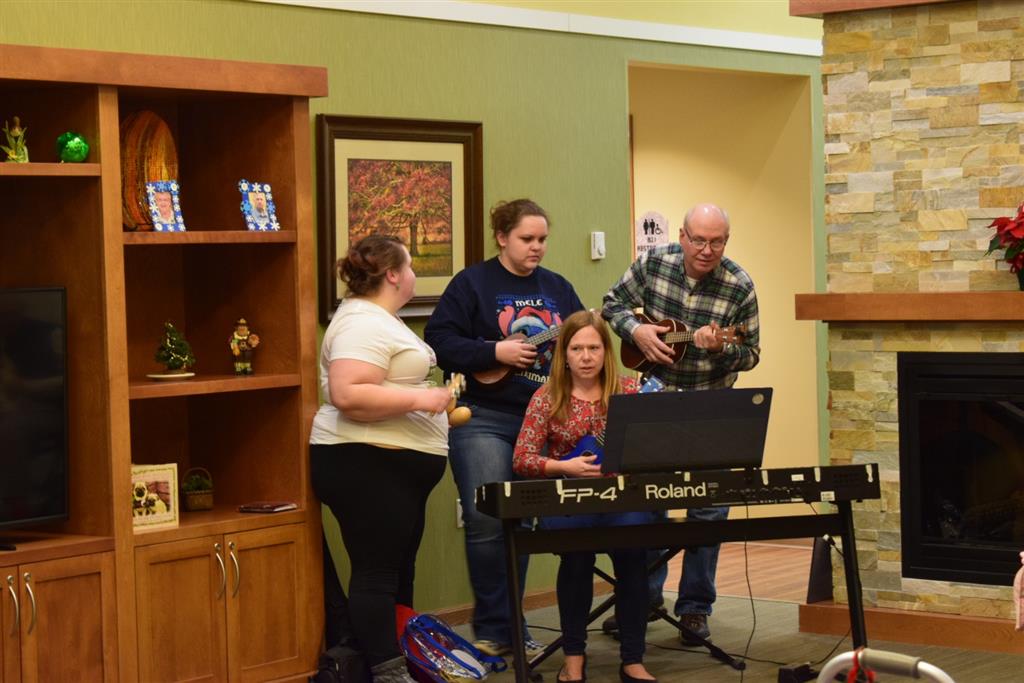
x=597, y=246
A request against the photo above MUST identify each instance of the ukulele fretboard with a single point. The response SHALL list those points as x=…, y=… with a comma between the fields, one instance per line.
x=678, y=337
x=545, y=336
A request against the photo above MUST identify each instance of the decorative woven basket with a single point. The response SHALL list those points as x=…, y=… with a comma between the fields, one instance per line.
x=147, y=153
x=197, y=500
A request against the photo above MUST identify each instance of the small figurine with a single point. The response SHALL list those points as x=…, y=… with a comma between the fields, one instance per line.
x=15, y=147
x=242, y=343
x=72, y=147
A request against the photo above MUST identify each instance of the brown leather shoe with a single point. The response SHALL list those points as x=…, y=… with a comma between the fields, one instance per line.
x=696, y=626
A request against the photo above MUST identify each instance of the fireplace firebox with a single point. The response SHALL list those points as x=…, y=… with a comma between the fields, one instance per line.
x=961, y=434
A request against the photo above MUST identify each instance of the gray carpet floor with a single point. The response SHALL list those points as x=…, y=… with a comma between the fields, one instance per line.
x=776, y=639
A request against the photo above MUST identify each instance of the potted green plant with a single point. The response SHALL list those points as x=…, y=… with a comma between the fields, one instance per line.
x=197, y=489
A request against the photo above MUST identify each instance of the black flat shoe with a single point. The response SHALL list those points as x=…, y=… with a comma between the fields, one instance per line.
x=559, y=678
x=626, y=678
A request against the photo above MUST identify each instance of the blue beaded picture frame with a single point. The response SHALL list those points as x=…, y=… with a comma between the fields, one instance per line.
x=258, y=206
x=165, y=206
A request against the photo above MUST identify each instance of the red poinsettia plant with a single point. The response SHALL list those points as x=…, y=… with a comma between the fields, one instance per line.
x=1010, y=236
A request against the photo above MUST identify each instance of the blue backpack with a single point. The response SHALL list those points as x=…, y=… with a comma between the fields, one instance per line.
x=437, y=654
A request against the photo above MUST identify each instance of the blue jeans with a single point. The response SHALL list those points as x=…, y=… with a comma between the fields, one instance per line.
x=576, y=586
x=697, y=584
x=480, y=452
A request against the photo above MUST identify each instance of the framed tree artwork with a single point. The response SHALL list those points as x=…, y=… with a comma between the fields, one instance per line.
x=421, y=181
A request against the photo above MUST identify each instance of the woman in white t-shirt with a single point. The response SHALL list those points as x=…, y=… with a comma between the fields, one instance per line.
x=379, y=442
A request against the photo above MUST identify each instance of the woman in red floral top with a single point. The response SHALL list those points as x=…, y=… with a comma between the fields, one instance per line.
x=573, y=404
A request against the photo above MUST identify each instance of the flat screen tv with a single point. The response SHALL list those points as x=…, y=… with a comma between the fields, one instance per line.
x=33, y=407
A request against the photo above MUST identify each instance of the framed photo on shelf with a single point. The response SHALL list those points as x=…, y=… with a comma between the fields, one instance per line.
x=421, y=181
x=154, y=496
x=258, y=206
x=165, y=206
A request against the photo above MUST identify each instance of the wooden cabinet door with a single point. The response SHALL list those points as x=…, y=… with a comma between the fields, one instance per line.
x=10, y=626
x=68, y=620
x=267, y=593
x=181, y=588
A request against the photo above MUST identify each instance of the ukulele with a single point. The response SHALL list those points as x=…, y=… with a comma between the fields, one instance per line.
x=457, y=415
x=677, y=338
x=492, y=378
x=592, y=444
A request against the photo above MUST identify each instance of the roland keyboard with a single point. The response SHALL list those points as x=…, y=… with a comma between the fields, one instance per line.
x=667, y=491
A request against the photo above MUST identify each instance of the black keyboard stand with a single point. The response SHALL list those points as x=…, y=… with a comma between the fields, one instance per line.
x=674, y=533
x=656, y=613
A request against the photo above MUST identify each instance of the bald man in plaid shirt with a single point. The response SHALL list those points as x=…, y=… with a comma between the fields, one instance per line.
x=692, y=282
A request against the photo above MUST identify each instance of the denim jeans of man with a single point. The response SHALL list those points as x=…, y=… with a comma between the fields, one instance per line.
x=480, y=452
x=576, y=586
x=697, y=585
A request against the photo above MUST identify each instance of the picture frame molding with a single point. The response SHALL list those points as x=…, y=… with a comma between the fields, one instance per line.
x=330, y=128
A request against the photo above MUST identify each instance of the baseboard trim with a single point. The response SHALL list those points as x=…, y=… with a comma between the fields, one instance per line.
x=539, y=599
x=920, y=628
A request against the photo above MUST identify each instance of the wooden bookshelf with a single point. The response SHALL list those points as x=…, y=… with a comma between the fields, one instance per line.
x=48, y=169
x=210, y=237
x=96, y=574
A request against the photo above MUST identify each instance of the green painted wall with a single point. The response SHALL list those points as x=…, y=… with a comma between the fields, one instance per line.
x=554, y=108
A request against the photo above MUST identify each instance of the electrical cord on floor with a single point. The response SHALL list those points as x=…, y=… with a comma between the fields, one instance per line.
x=833, y=650
x=700, y=651
x=750, y=594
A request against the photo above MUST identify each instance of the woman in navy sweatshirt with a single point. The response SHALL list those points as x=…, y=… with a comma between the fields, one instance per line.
x=486, y=323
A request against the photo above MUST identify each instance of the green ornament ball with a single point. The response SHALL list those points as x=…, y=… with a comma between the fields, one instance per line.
x=72, y=147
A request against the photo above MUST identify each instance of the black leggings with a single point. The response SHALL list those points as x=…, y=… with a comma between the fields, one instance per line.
x=379, y=496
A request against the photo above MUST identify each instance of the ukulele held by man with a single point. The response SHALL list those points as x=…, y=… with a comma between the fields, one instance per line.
x=676, y=335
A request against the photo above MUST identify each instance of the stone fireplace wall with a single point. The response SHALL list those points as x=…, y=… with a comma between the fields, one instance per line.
x=924, y=120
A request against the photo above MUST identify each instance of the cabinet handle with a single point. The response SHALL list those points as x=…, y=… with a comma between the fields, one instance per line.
x=17, y=608
x=32, y=599
x=238, y=570
x=223, y=570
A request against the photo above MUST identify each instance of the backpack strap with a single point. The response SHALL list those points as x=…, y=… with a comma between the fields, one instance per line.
x=494, y=663
x=411, y=651
x=439, y=636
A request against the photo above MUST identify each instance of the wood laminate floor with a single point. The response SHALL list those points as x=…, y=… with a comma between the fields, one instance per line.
x=777, y=571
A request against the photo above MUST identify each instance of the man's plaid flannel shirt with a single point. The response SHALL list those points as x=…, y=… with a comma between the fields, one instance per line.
x=657, y=282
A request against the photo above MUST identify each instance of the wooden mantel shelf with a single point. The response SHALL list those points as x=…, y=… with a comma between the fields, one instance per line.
x=817, y=8
x=911, y=306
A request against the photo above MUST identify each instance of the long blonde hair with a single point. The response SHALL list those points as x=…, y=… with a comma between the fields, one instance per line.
x=559, y=386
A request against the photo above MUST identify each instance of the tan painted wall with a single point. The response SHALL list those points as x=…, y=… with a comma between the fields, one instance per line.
x=743, y=141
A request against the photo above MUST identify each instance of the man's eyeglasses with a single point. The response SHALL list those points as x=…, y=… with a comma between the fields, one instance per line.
x=699, y=243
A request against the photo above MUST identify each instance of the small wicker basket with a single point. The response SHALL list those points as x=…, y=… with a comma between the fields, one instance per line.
x=197, y=500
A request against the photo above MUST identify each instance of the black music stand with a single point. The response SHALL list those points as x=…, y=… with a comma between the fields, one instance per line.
x=679, y=431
